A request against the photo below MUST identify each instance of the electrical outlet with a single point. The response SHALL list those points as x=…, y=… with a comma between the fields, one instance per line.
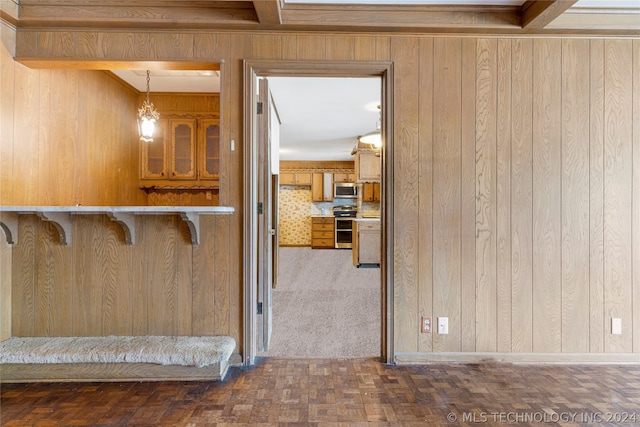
x=616, y=326
x=443, y=325
x=425, y=325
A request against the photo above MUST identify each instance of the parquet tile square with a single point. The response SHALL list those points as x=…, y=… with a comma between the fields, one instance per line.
x=348, y=392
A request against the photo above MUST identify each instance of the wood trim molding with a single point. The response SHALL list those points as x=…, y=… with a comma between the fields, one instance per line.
x=254, y=68
x=542, y=358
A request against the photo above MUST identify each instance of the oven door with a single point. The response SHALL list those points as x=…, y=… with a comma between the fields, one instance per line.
x=344, y=233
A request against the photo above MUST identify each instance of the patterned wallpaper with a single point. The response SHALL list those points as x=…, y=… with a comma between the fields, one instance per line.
x=295, y=216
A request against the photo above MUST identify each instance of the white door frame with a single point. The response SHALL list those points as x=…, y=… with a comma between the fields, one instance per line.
x=255, y=68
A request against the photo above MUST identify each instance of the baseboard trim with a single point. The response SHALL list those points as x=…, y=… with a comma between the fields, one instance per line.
x=522, y=358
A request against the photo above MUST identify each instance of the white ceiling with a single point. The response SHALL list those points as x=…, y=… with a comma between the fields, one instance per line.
x=321, y=118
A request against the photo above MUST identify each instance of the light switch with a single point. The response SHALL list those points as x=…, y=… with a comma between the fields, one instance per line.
x=443, y=325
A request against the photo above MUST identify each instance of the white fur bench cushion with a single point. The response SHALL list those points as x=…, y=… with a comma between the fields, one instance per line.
x=164, y=350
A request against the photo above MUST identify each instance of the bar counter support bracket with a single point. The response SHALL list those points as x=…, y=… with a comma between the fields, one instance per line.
x=192, y=220
x=128, y=223
x=9, y=224
x=62, y=223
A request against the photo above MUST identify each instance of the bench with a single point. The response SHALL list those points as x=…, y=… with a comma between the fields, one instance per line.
x=115, y=358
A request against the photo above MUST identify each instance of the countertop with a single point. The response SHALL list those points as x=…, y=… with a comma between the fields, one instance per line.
x=369, y=219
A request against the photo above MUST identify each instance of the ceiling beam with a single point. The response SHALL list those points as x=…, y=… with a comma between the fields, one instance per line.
x=269, y=11
x=538, y=14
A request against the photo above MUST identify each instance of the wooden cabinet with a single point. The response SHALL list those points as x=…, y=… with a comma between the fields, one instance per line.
x=322, y=187
x=367, y=167
x=322, y=232
x=366, y=243
x=371, y=192
x=183, y=149
x=344, y=177
x=295, y=178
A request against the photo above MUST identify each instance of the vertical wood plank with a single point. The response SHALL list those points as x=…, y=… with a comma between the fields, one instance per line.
x=635, y=197
x=140, y=285
x=521, y=194
x=184, y=280
x=469, y=314
x=311, y=47
x=340, y=48
x=7, y=106
x=266, y=47
x=63, y=134
x=425, y=184
x=575, y=195
x=406, y=57
x=88, y=253
x=447, y=192
x=61, y=279
x=364, y=48
x=597, y=326
x=289, y=44
x=503, y=197
x=171, y=46
x=547, y=202
x=485, y=217
x=23, y=297
x=221, y=289
x=6, y=259
x=383, y=48
x=162, y=314
x=116, y=281
x=204, y=273
x=618, y=191
x=45, y=234
x=26, y=126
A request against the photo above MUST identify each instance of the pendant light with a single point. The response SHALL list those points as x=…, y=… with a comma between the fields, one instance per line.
x=147, y=117
x=374, y=138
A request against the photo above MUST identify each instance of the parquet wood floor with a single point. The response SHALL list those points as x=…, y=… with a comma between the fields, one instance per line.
x=343, y=392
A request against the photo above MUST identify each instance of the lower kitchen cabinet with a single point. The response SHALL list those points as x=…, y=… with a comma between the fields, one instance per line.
x=322, y=232
x=366, y=243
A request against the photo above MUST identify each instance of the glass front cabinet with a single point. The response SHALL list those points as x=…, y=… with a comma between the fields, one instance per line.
x=185, y=150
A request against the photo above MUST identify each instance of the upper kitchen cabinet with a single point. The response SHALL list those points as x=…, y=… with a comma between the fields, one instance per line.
x=185, y=151
x=367, y=166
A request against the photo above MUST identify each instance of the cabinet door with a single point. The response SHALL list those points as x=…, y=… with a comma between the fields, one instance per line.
x=303, y=178
x=367, y=166
x=183, y=149
x=316, y=186
x=367, y=192
x=209, y=149
x=327, y=187
x=154, y=153
x=287, y=178
x=376, y=191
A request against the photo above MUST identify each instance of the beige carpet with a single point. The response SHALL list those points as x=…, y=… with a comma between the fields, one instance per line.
x=324, y=306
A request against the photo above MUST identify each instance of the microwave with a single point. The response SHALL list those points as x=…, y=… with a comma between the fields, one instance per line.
x=345, y=190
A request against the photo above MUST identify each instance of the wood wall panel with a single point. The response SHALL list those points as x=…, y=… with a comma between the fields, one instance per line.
x=425, y=196
x=525, y=171
x=547, y=197
x=7, y=120
x=406, y=52
x=617, y=191
x=162, y=272
x=575, y=196
x=503, y=197
x=469, y=316
x=597, y=322
x=521, y=195
x=6, y=260
x=447, y=192
x=635, y=197
x=485, y=194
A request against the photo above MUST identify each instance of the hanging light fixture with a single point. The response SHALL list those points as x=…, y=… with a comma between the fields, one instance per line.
x=374, y=138
x=147, y=117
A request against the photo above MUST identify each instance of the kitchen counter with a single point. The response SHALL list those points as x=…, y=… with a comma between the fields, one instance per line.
x=370, y=219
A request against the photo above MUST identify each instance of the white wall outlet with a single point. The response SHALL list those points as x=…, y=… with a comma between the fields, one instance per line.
x=425, y=325
x=443, y=325
x=616, y=326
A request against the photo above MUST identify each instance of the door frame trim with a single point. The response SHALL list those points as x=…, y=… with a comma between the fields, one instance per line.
x=266, y=68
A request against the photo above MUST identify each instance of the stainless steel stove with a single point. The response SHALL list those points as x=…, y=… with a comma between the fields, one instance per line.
x=344, y=225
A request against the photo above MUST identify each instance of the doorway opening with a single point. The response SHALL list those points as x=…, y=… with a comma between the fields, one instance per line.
x=324, y=301
x=259, y=242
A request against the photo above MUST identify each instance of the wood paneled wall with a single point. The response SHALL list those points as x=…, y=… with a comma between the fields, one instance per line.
x=99, y=285
x=70, y=138
x=516, y=176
